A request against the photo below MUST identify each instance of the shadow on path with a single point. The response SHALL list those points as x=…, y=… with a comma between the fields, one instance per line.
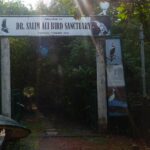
x=46, y=136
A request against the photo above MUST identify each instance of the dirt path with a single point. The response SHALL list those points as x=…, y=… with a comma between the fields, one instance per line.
x=67, y=144
x=45, y=137
x=107, y=143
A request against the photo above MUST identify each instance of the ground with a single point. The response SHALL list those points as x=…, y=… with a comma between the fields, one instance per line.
x=47, y=136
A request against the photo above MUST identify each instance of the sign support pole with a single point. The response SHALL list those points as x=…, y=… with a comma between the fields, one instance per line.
x=5, y=77
x=101, y=85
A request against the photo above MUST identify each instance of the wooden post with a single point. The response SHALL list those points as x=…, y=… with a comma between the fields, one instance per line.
x=5, y=77
x=101, y=85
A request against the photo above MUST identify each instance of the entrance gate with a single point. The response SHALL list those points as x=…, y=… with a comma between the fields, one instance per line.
x=97, y=27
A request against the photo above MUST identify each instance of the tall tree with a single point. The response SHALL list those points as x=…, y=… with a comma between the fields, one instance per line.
x=138, y=10
x=129, y=17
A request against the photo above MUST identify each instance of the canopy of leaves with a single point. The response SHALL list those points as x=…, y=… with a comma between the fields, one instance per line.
x=128, y=17
x=58, y=7
x=138, y=10
x=13, y=8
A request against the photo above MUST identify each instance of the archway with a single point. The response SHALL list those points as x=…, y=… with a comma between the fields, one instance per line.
x=56, y=26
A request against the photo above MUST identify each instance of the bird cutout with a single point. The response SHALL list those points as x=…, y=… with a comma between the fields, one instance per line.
x=4, y=26
x=112, y=96
x=112, y=53
x=99, y=28
x=2, y=136
x=95, y=29
x=104, y=5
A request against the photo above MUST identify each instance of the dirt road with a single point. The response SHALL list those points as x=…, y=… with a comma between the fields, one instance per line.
x=45, y=137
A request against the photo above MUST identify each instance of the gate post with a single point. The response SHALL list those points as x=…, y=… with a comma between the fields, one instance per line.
x=101, y=85
x=5, y=77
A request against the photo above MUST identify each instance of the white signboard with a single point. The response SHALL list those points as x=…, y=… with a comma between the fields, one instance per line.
x=47, y=26
x=115, y=76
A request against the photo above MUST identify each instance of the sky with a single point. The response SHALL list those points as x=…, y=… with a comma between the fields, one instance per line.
x=33, y=2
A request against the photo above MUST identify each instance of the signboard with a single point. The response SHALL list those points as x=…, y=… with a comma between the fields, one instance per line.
x=117, y=103
x=116, y=95
x=115, y=76
x=50, y=26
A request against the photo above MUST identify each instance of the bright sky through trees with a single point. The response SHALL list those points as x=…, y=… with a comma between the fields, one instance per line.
x=33, y=3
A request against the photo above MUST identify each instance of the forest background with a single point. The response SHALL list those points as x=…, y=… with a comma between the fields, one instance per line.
x=64, y=76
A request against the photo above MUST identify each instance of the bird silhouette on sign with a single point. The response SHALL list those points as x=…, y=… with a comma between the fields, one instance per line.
x=4, y=26
x=98, y=28
x=112, y=53
x=112, y=96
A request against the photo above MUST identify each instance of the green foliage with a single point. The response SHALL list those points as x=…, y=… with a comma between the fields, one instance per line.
x=127, y=19
x=80, y=80
x=67, y=7
x=21, y=48
x=138, y=10
x=59, y=7
x=13, y=8
x=67, y=79
x=23, y=60
x=42, y=9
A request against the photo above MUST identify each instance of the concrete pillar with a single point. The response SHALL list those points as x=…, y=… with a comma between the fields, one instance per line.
x=5, y=77
x=101, y=85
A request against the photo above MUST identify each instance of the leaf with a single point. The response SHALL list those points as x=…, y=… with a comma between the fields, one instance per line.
x=122, y=16
x=121, y=8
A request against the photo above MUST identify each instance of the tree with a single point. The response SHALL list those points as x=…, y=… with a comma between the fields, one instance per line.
x=58, y=7
x=129, y=17
x=23, y=63
x=138, y=10
x=21, y=48
x=80, y=79
x=13, y=8
x=21, y=54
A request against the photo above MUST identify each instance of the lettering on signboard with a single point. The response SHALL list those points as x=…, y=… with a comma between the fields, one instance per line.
x=51, y=26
